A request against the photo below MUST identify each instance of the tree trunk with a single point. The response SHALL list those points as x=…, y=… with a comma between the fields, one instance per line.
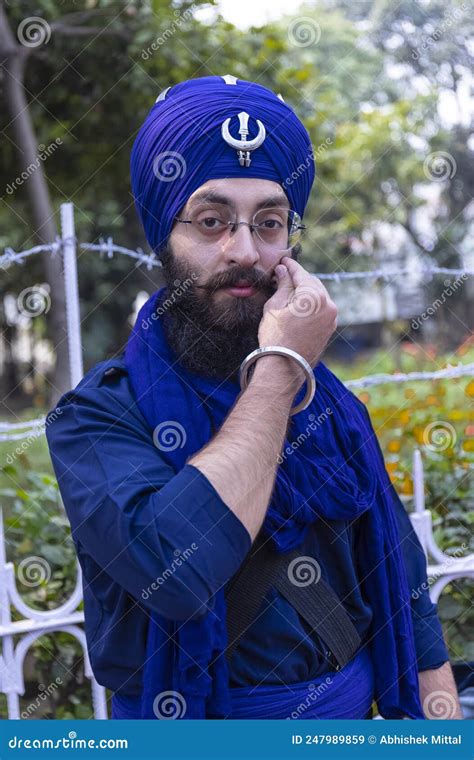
x=14, y=57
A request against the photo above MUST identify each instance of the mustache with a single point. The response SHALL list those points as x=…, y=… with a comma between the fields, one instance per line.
x=258, y=280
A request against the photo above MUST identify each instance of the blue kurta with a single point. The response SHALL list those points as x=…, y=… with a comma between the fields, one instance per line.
x=131, y=516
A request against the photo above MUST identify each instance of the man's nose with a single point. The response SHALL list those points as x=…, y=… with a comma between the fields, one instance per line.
x=240, y=247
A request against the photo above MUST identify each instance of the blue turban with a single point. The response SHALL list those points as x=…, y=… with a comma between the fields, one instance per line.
x=180, y=146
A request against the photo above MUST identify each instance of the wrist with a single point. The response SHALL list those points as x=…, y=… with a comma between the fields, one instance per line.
x=281, y=373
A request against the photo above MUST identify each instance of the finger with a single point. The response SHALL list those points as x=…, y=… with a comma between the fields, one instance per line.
x=298, y=273
x=284, y=287
x=302, y=277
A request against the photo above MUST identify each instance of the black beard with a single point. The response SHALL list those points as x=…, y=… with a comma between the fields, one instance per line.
x=207, y=338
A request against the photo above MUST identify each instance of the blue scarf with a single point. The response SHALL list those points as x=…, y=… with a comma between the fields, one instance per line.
x=335, y=471
x=345, y=694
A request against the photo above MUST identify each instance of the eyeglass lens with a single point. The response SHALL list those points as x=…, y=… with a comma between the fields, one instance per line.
x=276, y=228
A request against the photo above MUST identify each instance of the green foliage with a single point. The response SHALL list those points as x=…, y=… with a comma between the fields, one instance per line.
x=37, y=527
x=40, y=546
x=368, y=91
x=36, y=524
x=407, y=417
x=354, y=86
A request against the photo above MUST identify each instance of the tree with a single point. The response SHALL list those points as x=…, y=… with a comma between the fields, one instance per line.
x=67, y=94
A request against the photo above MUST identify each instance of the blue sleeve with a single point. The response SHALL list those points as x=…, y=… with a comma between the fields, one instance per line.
x=431, y=651
x=167, y=538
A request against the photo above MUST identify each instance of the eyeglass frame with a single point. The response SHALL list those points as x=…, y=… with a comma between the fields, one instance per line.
x=252, y=227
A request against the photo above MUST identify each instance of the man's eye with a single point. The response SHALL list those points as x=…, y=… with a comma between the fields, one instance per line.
x=272, y=224
x=211, y=223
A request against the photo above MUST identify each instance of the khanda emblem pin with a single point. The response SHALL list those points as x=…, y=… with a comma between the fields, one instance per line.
x=243, y=146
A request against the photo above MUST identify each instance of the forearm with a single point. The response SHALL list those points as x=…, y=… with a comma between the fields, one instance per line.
x=241, y=460
x=439, y=696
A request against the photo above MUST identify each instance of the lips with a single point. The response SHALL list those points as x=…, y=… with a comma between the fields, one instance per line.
x=242, y=288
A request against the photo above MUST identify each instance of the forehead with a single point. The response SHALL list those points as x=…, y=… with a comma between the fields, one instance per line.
x=242, y=193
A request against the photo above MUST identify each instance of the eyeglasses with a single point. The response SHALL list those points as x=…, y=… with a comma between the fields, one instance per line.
x=279, y=229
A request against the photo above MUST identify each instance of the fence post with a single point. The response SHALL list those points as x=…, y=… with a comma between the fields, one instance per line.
x=76, y=369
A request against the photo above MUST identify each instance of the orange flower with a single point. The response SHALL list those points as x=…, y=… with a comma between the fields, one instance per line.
x=407, y=486
x=405, y=417
x=393, y=446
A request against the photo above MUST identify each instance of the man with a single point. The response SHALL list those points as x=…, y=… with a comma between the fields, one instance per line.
x=185, y=493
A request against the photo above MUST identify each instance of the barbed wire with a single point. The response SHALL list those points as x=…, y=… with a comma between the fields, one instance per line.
x=36, y=426
x=388, y=274
x=103, y=246
x=450, y=371
x=17, y=257
x=109, y=247
x=33, y=433
x=20, y=425
x=151, y=260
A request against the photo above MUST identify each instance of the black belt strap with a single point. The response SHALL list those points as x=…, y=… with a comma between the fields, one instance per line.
x=316, y=603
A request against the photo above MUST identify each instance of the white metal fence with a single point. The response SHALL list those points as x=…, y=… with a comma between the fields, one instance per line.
x=441, y=568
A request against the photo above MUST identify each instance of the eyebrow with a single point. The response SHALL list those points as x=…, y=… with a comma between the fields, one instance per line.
x=211, y=196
